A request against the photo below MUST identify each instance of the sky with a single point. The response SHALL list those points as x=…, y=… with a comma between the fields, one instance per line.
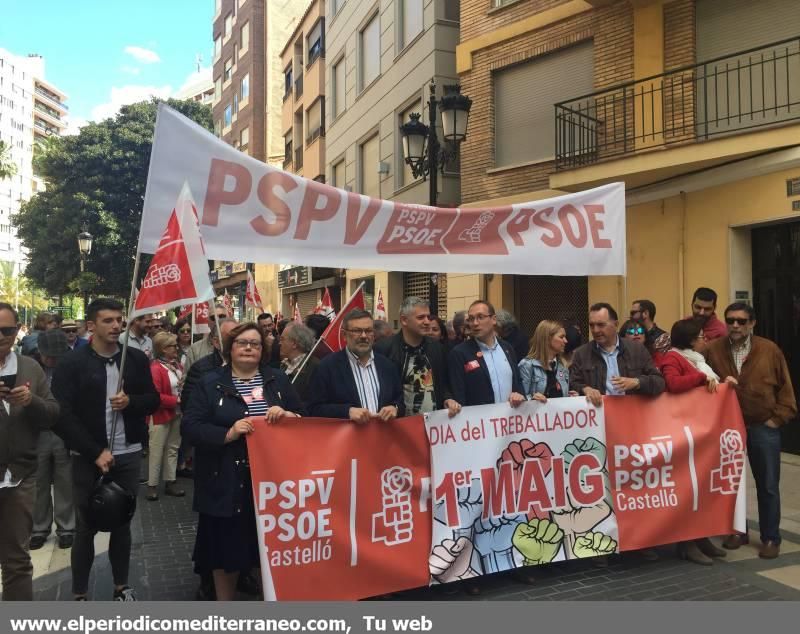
x=106, y=53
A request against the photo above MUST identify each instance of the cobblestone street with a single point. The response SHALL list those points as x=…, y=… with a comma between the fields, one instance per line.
x=163, y=537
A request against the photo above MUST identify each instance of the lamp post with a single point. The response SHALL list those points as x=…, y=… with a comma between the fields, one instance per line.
x=85, y=247
x=426, y=156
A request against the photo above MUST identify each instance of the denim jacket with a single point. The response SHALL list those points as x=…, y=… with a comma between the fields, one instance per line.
x=534, y=377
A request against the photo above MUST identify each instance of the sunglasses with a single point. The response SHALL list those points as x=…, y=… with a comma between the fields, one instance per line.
x=8, y=331
x=70, y=330
x=635, y=331
x=184, y=331
x=737, y=320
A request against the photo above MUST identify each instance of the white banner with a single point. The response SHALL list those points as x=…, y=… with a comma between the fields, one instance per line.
x=518, y=487
x=254, y=211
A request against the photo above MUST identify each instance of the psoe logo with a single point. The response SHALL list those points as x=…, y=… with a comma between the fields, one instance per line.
x=395, y=524
x=161, y=275
x=726, y=478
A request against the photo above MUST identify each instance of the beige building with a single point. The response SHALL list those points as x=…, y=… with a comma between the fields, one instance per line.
x=381, y=57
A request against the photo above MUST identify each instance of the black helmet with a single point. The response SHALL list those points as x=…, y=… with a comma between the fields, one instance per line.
x=110, y=505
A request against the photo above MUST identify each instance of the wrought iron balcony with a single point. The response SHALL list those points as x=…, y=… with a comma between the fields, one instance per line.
x=750, y=89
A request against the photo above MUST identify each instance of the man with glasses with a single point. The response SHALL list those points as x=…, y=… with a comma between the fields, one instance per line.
x=483, y=369
x=656, y=339
x=764, y=388
x=206, y=345
x=28, y=408
x=420, y=360
x=355, y=383
x=70, y=328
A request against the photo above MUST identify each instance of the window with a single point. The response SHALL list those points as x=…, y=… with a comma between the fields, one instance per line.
x=524, y=96
x=370, y=51
x=452, y=10
x=226, y=75
x=218, y=89
x=228, y=116
x=412, y=20
x=244, y=37
x=245, y=86
x=338, y=88
x=228, y=25
x=287, y=152
x=217, y=127
x=287, y=82
x=236, y=102
x=368, y=167
x=339, y=175
x=315, y=116
x=244, y=138
x=217, y=47
x=315, y=44
x=501, y=3
x=405, y=169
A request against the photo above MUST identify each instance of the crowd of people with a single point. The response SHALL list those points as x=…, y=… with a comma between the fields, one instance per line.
x=184, y=408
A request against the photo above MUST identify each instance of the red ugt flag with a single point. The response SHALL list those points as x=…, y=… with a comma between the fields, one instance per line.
x=252, y=298
x=178, y=273
x=380, y=307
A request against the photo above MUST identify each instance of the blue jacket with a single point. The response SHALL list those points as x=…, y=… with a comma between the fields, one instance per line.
x=215, y=406
x=475, y=387
x=334, y=392
x=534, y=377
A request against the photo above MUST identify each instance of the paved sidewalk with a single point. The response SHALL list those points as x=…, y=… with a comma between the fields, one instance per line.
x=163, y=538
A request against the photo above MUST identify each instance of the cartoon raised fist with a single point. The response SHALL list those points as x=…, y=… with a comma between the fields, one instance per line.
x=538, y=540
x=594, y=545
x=580, y=519
x=493, y=541
x=517, y=453
x=450, y=560
x=592, y=446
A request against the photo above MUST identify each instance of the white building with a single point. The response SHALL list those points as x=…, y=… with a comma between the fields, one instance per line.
x=30, y=109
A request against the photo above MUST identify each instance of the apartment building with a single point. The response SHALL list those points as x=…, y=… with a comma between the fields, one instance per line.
x=248, y=87
x=31, y=109
x=381, y=55
x=693, y=104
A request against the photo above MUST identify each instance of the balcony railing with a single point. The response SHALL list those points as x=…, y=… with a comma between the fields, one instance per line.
x=315, y=134
x=298, y=87
x=298, y=158
x=751, y=89
x=51, y=97
x=287, y=155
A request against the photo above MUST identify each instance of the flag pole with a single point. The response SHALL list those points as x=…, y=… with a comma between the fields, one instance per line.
x=322, y=336
x=194, y=312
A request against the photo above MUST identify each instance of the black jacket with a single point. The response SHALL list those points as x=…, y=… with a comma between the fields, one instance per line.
x=302, y=383
x=393, y=349
x=474, y=387
x=195, y=375
x=214, y=408
x=518, y=341
x=79, y=385
x=334, y=391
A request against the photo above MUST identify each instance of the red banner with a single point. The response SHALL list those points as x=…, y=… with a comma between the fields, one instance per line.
x=343, y=510
x=675, y=464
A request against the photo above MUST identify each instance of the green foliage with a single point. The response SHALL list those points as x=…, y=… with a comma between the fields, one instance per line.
x=97, y=177
x=7, y=166
x=18, y=290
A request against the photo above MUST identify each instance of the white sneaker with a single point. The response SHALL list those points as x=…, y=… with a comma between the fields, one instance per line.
x=126, y=594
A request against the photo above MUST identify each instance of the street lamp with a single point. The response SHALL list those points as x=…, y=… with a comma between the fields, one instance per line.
x=426, y=156
x=85, y=247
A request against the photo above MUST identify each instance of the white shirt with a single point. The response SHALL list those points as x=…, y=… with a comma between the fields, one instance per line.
x=366, y=378
x=6, y=369
x=119, y=445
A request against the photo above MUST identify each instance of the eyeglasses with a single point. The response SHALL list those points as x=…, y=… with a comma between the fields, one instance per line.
x=473, y=318
x=70, y=330
x=635, y=331
x=247, y=343
x=185, y=331
x=8, y=331
x=361, y=332
x=741, y=321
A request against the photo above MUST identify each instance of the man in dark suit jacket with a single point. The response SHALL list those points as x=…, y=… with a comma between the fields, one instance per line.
x=356, y=383
x=296, y=342
x=483, y=369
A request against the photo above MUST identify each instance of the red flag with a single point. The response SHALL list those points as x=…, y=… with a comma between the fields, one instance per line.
x=179, y=270
x=251, y=295
x=325, y=306
x=296, y=316
x=185, y=311
x=380, y=307
x=226, y=302
x=201, y=321
x=333, y=336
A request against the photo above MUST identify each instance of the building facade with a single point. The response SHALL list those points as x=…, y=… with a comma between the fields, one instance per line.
x=31, y=109
x=381, y=57
x=693, y=104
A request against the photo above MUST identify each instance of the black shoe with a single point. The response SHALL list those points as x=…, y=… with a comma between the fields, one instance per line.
x=65, y=541
x=186, y=472
x=37, y=541
x=248, y=584
x=125, y=594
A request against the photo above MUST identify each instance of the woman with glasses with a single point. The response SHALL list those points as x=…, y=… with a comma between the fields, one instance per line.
x=633, y=330
x=544, y=373
x=225, y=407
x=183, y=328
x=165, y=428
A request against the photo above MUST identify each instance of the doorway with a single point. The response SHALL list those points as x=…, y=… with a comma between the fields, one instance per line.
x=776, y=298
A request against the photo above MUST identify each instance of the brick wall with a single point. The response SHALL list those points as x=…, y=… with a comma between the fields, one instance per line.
x=679, y=52
x=481, y=16
x=610, y=28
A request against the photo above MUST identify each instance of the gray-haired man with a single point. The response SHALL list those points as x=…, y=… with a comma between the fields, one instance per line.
x=296, y=342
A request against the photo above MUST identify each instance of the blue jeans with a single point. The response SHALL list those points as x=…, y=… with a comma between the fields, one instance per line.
x=764, y=452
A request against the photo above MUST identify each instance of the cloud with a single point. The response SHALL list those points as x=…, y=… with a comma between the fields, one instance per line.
x=130, y=70
x=194, y=83
x=124, y=95
x=74, y=125
x=143, y=55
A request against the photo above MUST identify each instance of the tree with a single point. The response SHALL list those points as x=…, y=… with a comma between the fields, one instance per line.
x=17, y=290
x=96, y=178
x=7, y=165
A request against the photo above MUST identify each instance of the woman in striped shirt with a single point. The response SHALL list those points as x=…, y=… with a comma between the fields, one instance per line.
x=225, y=407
